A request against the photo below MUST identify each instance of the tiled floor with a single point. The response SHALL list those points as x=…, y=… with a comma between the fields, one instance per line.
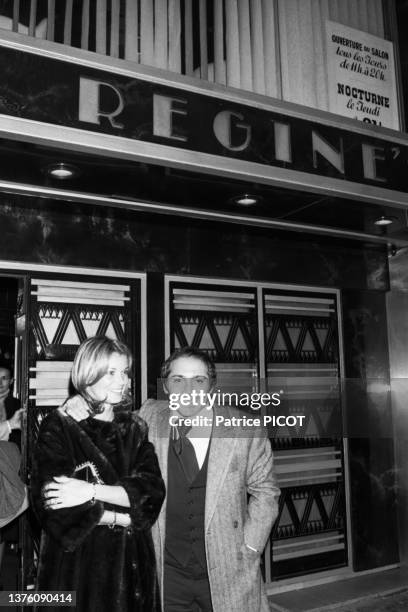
x=354, y=590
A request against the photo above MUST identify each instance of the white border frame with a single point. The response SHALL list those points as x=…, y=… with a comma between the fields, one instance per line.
x=324, y=576
x=20, y=268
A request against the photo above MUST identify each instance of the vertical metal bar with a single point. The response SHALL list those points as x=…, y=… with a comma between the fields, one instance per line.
x=373, y=25
x=26, y=536
x=33, y=18
x=219, y=60
x=319, y=50
x=390, y=32
x=291, y=51
x=353, y=13
x=257, y=43
x=146, y=32
x=268, y=565
x=161, y=27
x=188, y=37
x=132, y=30
x=261, y=334
x=271, y=47
x=85, y=25
x=143, y=338
x=246, y=34
x=334, y=9
x=51, y=20
x=167, y=308
x=363, y=15
x=381, y=7
x=203, y=40
x=233, y=59
x=114, y=28
x=344, y=12
x=174, y=18
x=16, y=15
x=101, y=27
x=68, y=22
x=306, y=87
x=347, y=485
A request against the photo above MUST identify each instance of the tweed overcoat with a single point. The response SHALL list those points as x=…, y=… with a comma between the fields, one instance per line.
x=240, y=463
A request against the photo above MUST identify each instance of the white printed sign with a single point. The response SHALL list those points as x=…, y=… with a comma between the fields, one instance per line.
x=361, y=76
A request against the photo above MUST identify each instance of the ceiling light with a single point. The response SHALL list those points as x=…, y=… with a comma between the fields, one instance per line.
x=384, y=221
x=246, y=200
x=61, y=170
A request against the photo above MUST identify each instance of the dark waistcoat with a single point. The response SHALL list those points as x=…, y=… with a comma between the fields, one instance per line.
x=185, y=545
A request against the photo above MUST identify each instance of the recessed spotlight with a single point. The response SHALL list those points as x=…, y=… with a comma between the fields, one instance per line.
x=246, y=199
x=384, y=221
x=61, y=170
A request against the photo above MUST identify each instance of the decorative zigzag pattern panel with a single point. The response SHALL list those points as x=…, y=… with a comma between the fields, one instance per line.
x=301, y=351
x=299, y=337
x=63, y=314
x=222, y=323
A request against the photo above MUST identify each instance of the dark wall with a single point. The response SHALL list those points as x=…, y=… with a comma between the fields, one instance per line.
x=60, y=233
x=397, y=310
x=370, y=429
x=66, y=234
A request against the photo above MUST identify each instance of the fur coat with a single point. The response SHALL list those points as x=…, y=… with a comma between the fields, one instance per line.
x=110, y=569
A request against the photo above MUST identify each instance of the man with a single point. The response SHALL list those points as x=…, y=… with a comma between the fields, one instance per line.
x=10, y=411
x=221, y=496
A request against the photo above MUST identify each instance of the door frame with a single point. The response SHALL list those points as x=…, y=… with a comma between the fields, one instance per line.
x=22, y=269
x=324, y=575
x=25, y=270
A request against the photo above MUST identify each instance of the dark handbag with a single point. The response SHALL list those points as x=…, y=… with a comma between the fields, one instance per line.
x=89, y=472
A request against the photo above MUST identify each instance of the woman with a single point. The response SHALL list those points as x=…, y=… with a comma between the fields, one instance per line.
x=97, y=489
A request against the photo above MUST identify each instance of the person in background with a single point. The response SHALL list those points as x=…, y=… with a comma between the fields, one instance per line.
x=10, y=426
x=97, y=489
x=10, y=411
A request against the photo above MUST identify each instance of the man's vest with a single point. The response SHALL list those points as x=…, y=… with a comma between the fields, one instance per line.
x=185, y=544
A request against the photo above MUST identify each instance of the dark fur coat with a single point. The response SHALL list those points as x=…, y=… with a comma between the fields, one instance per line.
x=110, y=569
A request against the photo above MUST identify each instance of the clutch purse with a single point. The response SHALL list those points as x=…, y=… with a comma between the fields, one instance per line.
x=89, y=472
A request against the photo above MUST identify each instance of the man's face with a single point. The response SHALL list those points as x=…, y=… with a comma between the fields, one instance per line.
x=5, y=380
x=188, y=374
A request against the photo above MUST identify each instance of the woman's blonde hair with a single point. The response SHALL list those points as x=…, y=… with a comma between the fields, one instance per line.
x=91, y=363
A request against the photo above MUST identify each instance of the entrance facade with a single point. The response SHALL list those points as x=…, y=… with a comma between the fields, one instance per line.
x=56, y=311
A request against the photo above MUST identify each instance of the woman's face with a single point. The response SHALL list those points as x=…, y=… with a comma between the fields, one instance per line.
x=113, y=384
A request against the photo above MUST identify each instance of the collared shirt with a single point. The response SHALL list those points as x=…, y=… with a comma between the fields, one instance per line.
x=200, y=435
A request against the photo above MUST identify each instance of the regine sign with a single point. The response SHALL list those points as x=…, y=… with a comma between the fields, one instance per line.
x=235, y=129
x=63, y=93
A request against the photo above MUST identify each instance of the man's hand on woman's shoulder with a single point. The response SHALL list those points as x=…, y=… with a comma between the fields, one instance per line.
x=75, y=407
